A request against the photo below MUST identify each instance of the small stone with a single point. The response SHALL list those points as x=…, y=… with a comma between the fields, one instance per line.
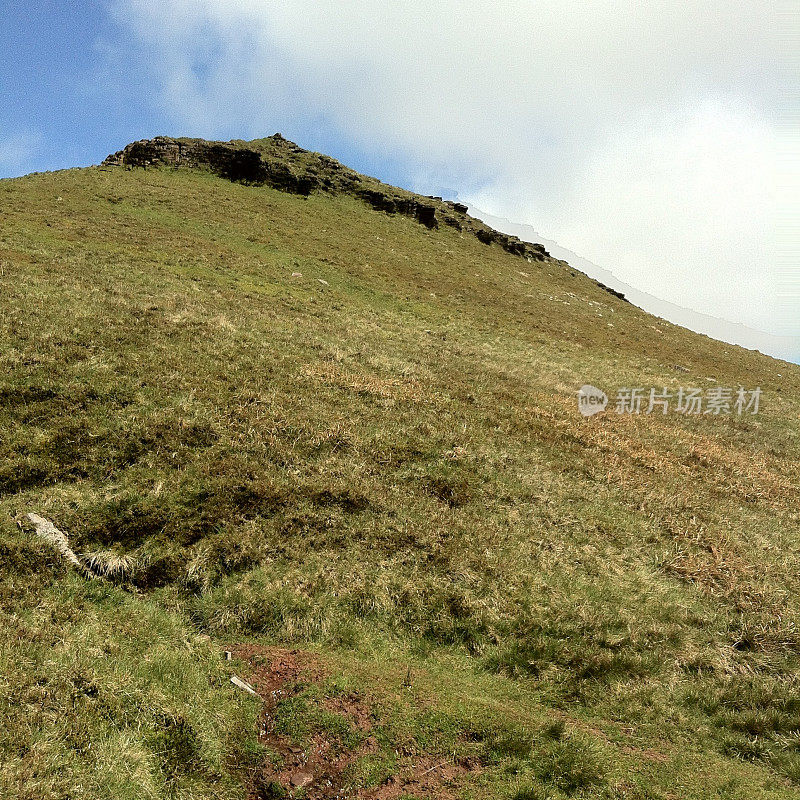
x=323, y=282
x=237, y=681
x=297, y=274
x=301, y=779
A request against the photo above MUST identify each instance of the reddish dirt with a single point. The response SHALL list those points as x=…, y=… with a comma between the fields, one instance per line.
x=427, y=777
x=317, y=772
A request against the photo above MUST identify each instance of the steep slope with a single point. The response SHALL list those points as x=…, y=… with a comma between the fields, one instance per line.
x=312, y=420
x=786, y=348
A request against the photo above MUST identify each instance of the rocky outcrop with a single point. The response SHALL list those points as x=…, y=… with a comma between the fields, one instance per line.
x=423, y=212
x=513, y=244
x=239, y=164
x=281, y=164
x=611, y=291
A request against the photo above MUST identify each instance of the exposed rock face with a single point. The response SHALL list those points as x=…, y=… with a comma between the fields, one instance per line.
x=282, y=165
x=408, y=206
x=238, y=164
x=612, y=291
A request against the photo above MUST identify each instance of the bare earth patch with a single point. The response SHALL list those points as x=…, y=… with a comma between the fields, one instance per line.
x=319, y=770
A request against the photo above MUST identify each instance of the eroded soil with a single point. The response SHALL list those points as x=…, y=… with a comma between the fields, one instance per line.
x=321, y=768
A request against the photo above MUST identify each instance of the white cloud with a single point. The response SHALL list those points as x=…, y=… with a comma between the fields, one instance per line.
x=639, y=134
x=17, y=151
x=684, y=203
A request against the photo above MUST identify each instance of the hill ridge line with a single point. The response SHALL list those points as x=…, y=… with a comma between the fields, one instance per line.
x=281, y=164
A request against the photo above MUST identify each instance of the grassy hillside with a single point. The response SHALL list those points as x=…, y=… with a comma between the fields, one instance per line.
x=346, y=447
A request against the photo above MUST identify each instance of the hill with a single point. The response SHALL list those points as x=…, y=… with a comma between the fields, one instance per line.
x=330, y=427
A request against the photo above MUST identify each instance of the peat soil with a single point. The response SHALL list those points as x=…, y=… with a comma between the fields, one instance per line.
x=320, y=768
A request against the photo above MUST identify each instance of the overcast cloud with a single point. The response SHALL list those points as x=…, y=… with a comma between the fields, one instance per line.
x=644, y=136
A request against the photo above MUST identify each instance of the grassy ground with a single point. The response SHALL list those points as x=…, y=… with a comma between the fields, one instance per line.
x=379, y=461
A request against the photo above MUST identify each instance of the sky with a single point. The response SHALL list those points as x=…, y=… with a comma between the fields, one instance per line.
x=655, y=139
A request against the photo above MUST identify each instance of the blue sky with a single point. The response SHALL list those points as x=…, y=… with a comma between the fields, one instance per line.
x=646, y=137
x=61, y=100
x=75, y=85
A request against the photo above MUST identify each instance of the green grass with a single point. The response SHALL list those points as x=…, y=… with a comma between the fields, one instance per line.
x=389, y=470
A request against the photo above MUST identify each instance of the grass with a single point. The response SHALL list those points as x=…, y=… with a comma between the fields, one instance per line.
x=388, y=470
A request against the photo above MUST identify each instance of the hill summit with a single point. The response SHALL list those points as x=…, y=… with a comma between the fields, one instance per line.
x=283, y=165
